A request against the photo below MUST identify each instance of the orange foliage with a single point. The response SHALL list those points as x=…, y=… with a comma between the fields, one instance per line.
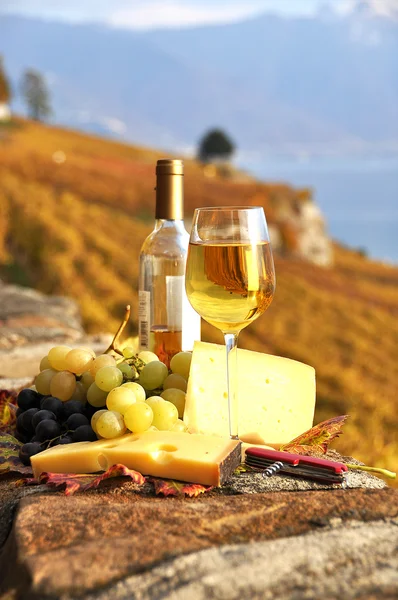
x=76, y=229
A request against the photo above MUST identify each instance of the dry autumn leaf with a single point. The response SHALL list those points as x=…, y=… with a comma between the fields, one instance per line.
x=8, y=409
x=9, y=456
x=73, y=482
x=169, y=487
x=318, y=438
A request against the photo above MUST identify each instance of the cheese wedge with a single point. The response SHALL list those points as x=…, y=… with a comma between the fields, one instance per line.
x=81, y=457
x=195, y=458
x=276, y=396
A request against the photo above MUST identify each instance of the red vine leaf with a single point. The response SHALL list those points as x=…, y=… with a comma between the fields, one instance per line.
x=318, y=438
x=169, y=487
x=8, y=409
x=9, y=456
x=76, y=482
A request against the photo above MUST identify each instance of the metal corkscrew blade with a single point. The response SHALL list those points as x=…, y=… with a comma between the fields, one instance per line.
x=273, y=469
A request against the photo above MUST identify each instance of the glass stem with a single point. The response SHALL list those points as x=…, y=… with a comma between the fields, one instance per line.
x=231, y=344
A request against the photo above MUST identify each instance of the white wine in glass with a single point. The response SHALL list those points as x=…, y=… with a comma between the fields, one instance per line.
x=230, y=277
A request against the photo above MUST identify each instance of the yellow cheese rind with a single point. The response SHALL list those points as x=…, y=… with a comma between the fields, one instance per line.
x=276, y=396
x=174, y=455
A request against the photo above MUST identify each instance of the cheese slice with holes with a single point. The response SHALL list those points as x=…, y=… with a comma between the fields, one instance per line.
x=81, y=457
x=276, y=396
x=195, y=458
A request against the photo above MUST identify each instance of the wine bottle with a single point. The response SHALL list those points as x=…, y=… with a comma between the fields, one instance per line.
x=167, y=322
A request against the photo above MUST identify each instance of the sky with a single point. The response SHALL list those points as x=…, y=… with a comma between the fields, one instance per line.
x=145, y=14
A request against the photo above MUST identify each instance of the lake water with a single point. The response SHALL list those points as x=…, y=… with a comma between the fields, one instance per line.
x=359, y=198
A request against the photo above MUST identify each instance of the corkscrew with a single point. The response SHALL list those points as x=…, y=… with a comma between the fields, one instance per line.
x=273, y=469
x=271, y=462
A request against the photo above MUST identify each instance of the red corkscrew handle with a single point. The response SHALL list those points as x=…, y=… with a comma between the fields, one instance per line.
x=296, y=459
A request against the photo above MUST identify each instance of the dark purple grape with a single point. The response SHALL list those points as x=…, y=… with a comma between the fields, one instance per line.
x=42, y=400
x=52, y=404
x=84, y=433
x=29, y=450
x=19, y=412
x=28, y=399
x=26, y=420
x=22, y=437
x=47, y=430
x=76, y=420
x=70, y=408
x=19, y=425
x=65, y=439
x=42, y=415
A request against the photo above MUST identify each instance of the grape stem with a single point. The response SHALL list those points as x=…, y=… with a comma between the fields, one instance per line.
x=112, y=346
x=58, y=437
x=385, y=472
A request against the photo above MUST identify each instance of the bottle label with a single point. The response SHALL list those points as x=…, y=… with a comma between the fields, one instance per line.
x=174, y=293
x=144, y=316
x=180, y=314
x=190, y=324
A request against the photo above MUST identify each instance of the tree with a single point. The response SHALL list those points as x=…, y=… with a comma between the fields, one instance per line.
x=35, y=92
x=5, y=88
x=215, y=144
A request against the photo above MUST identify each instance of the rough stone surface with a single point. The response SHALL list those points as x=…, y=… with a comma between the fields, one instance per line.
x=358, y=561
x=30, y=324
x=27, y=315
x=74, y=545
x=313, y=241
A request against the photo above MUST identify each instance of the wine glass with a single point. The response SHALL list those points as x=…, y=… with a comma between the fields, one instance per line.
x=230, y=278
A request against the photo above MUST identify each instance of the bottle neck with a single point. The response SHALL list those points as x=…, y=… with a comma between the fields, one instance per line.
x=169, y=197
x=176, y=224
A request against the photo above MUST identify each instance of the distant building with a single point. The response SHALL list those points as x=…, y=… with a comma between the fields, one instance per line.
x=5, y=112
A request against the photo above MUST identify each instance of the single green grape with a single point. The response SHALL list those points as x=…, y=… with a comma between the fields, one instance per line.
x=146, y=356
x=43, y=380
x=165, y=414
x=128, y=352
x=95, y=418
x=179, y=426
x=89, y=350
x=153, y=375
x=128, y=371
x=96, y=397
x=80, y=393
x=181, y=363
x=120, y=399
x=63, y=385
x=78, y=360
x=103, y=360
x=110, y=425
x=56, y=357
x=176, y=397
x=108, y=378
x=44, y=363
x=137, y=389
x=138, y=417
x=87, y=379
x=175, y=381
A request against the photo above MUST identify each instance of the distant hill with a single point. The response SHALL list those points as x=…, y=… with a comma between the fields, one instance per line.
x=75, y=209
x=322, y=84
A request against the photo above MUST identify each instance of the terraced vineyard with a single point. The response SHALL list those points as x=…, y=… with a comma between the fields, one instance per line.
x=75, y=209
